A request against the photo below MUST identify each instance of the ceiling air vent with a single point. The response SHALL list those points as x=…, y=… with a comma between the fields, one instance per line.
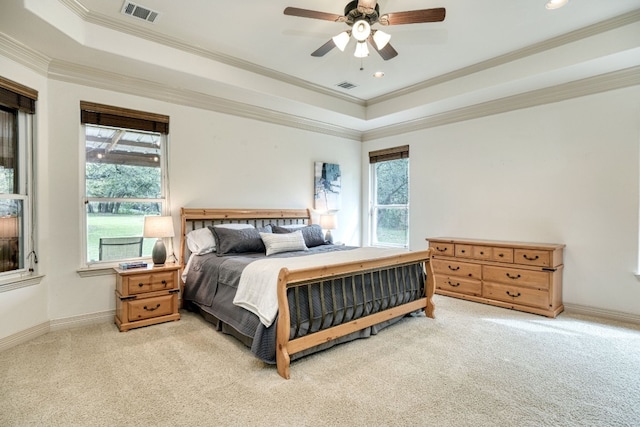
x=346, y=85
x=138, y=11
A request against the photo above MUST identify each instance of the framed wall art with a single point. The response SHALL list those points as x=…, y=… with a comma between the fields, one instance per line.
x=328, y=187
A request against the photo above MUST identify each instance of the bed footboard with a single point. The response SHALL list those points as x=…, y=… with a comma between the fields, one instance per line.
x=397, y=285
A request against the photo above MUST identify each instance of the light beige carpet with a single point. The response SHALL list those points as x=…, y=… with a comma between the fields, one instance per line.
x=474, y=365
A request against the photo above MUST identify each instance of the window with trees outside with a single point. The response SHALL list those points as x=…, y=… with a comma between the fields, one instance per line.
x=125, y=180
x=17, y=108
x=390, y=197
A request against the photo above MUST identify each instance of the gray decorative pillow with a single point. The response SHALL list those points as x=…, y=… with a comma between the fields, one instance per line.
x=234, y=241
x=283, y=242
x=312, y=234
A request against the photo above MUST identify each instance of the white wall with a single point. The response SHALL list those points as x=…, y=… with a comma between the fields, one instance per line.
x=566, y=172
x=215, y=160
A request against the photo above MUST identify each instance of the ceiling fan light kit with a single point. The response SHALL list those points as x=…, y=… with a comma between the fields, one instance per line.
x=361, y=15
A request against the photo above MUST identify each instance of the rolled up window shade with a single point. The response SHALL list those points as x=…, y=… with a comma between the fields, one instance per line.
x=389, y=154
x=16, y=96
x=106, y=115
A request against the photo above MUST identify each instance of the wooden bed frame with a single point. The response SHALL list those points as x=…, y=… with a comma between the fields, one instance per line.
x=193, y=218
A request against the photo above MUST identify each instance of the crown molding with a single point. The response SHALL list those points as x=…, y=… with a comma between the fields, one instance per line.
x=23, y=54
x=588, y=86
x=555, y=42
x=156, y=37
x=92, y=77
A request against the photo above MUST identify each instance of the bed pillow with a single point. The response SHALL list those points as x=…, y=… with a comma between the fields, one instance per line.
x=237, y=241
x=201, y=240
x=312, y=234
x=283, y=242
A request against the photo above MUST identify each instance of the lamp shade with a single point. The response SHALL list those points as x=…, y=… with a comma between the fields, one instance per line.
x=328, y=221
x=158, y=226
x=381, y=38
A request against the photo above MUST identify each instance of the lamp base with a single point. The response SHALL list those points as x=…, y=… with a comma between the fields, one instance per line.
x=328, y=237
x=159, y=253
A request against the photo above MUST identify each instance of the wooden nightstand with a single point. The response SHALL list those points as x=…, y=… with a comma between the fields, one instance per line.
x=146, y=296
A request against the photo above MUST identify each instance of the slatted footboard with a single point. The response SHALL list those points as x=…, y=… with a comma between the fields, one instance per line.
x=318, y=305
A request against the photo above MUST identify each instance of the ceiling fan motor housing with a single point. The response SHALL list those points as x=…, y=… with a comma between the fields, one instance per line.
x=353, y=14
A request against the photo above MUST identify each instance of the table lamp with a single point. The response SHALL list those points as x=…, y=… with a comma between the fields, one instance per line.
x=328, y=222
x=159, y=227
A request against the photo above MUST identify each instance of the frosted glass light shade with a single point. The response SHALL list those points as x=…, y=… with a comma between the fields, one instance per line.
x=328, y=222
x=381, y=38
x=362, y=51
x=361, y=30
x=555, y=4
x=341, y=40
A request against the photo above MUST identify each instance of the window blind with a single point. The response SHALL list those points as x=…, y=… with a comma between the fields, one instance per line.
x=16, y=96
x=106, y=115
x=389, y=154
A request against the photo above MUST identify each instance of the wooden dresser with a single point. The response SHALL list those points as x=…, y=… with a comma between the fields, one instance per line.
x=517, y=275
x=146, y=296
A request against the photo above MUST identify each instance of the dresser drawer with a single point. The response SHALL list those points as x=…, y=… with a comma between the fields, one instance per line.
x=147, y=308
x=532, y=257
x=464, y=251
x=142, y=283
x=516, y=295
x=516, y=276
x=457, y=268
x=502, y=254
x=445, y=249
x=458, y=285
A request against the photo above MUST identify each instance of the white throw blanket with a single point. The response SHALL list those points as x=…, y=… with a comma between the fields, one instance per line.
x=258, y=287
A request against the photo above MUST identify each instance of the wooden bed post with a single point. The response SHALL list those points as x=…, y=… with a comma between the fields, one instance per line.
x=282, y=327
x=431, y=285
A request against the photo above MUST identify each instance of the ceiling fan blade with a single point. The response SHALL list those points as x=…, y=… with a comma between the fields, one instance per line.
x=387, y=52
x=305, y=13
x=413, y=16
x=324, y=49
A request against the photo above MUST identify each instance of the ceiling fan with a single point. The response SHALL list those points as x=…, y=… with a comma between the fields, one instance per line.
x=360, y=15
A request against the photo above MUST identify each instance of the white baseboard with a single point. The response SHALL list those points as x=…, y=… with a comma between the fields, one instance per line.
x=24, y=336
x=55, y=325
x=602, y=313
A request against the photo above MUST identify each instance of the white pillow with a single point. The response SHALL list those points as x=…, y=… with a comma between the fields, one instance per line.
x=287, y=242
x=201, y=241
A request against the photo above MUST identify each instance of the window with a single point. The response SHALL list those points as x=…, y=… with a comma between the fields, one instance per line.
x=17, y=107
x=390, y=197
x=125, y=180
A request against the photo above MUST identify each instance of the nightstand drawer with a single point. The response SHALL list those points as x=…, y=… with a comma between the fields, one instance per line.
x=150, y=282
x=150, y=307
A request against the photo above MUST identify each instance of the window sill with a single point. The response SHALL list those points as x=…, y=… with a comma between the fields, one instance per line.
x=11, y=284
x=93, y=272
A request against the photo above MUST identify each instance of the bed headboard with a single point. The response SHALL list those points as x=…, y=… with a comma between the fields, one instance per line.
x=194, y=218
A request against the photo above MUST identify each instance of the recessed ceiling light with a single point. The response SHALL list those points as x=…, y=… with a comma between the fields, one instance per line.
x=378, y=74
x=555, y=4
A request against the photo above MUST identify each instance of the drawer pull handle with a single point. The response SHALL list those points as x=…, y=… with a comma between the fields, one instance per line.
x=512, y=277
x=455, y=285
x=501, y=255
x=481, y=253
x=530, y=258
x=513, y=295
x=140, y=284
x=454, y=269
x=164, y=283
x=462, y=250
x=152, y=309
x=439, y=249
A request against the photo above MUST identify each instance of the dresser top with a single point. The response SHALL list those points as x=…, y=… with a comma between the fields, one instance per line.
x=500, y=243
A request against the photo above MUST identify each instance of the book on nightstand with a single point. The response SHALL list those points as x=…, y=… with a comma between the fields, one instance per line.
x=130, y=265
